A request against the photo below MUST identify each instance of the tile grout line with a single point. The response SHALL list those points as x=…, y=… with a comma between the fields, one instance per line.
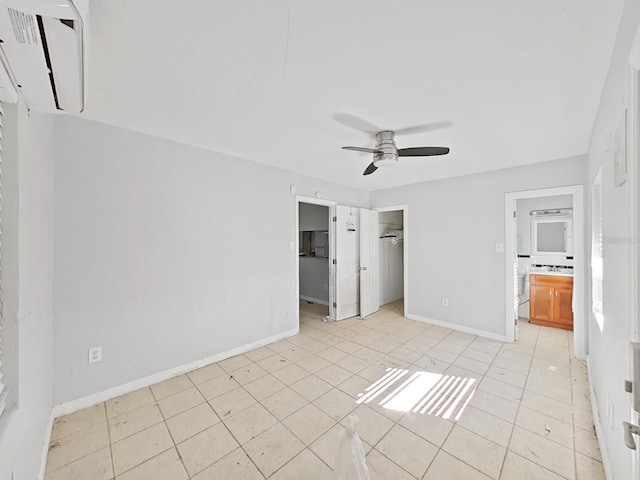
x=76, y=433
x=397, y=422
x=495, y=356
x=106, y=416
x=573, y=418
x=164, y=420
x=380, y=360
x=241, y=445
x=279, y=421
x=513, y=427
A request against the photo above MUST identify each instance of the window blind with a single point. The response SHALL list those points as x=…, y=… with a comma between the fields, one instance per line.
x=3, y=390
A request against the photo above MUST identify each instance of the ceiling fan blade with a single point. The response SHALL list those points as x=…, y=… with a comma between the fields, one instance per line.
x=363, y=149
x=356, y=123
x=428, y=127
x=370, y=169
x=422, y=151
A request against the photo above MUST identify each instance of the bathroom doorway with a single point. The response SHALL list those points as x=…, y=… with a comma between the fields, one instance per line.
x=531, y=213
x=545, y=237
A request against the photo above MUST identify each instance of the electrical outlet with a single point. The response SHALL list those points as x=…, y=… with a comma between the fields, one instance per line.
x=445, y=302
x=326, y=287
x=95, y=354
x=499, y=247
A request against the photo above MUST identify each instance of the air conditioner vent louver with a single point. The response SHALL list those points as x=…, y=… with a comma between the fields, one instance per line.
x=25, y=26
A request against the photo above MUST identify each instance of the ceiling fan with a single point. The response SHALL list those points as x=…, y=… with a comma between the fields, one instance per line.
x=386, y=153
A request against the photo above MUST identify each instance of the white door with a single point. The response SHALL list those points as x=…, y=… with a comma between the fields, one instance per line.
x=369, y=286
x=345, y=261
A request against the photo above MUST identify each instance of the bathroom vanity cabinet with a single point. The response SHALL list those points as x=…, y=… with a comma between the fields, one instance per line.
x=550, y=298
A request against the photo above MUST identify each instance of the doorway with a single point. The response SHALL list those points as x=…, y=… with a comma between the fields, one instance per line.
x=531, y=215
x=392, y=254
x=391, y=262
x=527, y=251
x=314, y=251
x=337, y=263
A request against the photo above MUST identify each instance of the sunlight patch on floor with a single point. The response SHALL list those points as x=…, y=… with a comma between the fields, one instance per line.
x=428, y=393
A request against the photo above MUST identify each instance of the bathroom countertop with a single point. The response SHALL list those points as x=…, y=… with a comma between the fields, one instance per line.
x=556, y=274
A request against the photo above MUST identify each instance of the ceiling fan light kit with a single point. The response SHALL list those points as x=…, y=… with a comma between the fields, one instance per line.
x=386, y=145
x=386, y=153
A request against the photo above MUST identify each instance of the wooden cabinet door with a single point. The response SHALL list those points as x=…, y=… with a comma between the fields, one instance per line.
x=542, y=303
x=562, y=307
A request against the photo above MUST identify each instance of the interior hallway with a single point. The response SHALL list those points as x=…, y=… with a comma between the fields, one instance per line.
x=275, y=412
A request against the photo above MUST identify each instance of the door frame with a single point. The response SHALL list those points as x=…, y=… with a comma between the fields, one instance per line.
x=405, y=251
x=315, y=201
x=633, y=179
x=579, y=258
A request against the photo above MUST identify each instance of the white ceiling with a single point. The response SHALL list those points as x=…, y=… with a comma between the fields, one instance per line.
x=264, y=79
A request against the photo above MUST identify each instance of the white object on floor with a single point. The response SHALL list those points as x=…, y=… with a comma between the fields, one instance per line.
x=350, y=461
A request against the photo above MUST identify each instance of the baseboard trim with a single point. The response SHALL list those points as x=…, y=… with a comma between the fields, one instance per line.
x=596, y=422
x=45, y=447
x=460, y=328
x=74, y=405
x=314, y=300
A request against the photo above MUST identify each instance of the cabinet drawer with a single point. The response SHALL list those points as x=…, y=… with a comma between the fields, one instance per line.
x=552, y=281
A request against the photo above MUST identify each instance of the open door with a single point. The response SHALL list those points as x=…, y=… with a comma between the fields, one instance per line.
x=345, y=262
x=369, y=286
x=514, y=266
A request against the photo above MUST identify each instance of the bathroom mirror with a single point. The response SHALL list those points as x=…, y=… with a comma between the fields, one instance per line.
x=552, y=236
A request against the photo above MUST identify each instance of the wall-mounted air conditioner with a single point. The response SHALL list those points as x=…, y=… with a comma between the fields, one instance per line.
x=43, y=41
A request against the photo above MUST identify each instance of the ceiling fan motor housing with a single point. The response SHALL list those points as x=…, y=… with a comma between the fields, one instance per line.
x=386, y=144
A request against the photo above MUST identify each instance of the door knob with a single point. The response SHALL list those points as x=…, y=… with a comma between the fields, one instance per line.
x=629, y=431
x=363, y=268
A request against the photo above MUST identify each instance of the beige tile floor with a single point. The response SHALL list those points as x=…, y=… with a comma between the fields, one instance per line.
x=432, y=404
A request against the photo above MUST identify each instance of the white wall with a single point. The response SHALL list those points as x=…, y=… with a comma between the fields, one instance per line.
x=391, y=220
x=524, y=207
x=314, y=279
x=455, y=225
x=166, y=254
x=28, y=290
x=313, y=217
x=608, y=349
x=390, y=258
